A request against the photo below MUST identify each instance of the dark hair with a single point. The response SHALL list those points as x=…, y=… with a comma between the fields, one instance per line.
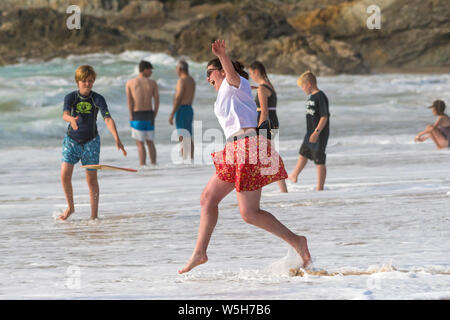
x=239, y=67
x=439, y=106
x=183, y=66
x=256, y=65
x=144, y=65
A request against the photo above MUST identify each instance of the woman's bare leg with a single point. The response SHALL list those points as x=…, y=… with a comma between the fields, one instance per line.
x=213, y=193
x=282, y=186
x=251, y=213
x=439, y=139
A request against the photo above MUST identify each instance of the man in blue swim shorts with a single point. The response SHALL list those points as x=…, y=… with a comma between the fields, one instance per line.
x=182, y=109
x=82, y=141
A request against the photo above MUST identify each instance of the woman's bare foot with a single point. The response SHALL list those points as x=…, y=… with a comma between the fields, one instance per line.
x=302, y=250
x=195, y=260
x=66, y=214
x=293, y=178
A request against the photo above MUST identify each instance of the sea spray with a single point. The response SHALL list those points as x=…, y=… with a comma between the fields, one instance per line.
x=282, y=266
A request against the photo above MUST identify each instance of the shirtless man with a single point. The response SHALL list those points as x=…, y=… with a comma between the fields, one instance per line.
x=140, y=92
x=182, y=109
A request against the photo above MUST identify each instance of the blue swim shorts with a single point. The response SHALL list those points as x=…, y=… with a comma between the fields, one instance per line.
x=88, y=153
x=142, y=125
x=183, y=120
x=142, y=130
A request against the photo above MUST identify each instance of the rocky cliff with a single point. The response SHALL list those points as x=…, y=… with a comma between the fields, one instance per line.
x=328, y=37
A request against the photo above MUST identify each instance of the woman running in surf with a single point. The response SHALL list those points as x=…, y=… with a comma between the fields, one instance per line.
x=240, y=165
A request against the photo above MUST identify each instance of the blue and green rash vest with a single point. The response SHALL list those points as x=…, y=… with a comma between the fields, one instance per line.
x=87, y=109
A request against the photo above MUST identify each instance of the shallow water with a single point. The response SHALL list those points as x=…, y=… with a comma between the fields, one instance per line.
x=386, y=200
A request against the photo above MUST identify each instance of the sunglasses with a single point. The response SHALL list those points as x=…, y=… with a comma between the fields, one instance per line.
x=209, y=71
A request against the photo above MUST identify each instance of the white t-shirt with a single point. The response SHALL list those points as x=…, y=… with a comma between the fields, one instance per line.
x=235, y=107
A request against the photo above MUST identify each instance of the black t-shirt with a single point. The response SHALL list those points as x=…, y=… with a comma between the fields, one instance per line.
x=317, y=107
x=87, y=109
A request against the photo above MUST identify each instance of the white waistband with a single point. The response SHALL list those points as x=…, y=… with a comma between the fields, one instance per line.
x=259, y=109
x=242, y=131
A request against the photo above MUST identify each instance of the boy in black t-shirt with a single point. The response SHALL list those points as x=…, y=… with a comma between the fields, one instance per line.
x=317, y=130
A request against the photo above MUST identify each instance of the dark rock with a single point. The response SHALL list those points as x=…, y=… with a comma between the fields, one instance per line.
x=327, y=37
x=42, y=33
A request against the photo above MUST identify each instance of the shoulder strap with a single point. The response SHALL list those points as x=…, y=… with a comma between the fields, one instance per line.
x=268, y=87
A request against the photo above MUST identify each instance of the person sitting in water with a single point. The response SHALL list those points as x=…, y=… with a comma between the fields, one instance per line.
x=440, y=130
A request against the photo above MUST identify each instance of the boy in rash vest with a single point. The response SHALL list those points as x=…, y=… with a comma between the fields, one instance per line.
x=82, y=141
x=318, y=130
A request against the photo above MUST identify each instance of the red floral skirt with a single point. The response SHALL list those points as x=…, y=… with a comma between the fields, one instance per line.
x=250, y=163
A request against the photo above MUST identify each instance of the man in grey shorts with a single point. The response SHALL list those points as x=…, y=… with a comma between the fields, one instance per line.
x=141, y=92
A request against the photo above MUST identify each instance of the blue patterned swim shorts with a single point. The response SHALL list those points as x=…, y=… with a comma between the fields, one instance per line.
x=88, y=153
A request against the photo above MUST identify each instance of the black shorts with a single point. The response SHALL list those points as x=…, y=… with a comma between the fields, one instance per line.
x=308, y=151
x=148, y=115
x=272, y=118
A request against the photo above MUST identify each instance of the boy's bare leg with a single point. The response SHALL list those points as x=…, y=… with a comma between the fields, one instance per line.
x=141, y=152
x=283, y=186
x=213, y=193
x=151, y=151
x=301, y=163
x=249, y=206
x=94, y=192
x=321, y=175
x=66, y=180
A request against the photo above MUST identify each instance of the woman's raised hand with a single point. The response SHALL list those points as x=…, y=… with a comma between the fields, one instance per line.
x=218, y=48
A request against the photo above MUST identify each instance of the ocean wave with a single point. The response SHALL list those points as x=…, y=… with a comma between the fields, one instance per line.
x=384, y=110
